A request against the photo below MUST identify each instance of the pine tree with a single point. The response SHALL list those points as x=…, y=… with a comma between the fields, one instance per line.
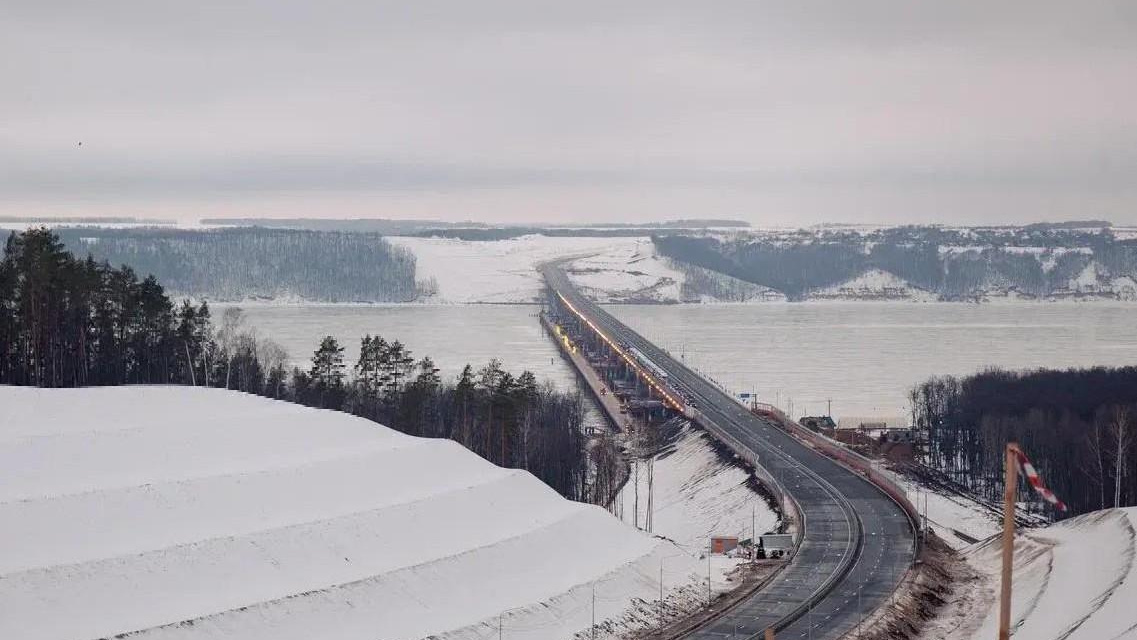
x=327, y=372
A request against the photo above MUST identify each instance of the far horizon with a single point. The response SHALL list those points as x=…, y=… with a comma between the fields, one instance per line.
x=426, y=222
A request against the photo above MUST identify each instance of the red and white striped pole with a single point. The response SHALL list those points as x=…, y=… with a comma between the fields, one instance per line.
x=1015, y=460
x=1010, y=484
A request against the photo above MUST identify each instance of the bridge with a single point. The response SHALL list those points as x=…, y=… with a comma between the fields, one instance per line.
x=856, y=542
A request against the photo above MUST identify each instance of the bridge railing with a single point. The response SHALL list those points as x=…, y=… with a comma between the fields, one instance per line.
x=789, y=506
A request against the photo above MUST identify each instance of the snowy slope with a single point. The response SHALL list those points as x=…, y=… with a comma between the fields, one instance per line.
x=1075, y=580
x=173, y=512
x=498, y=271
x=616, y=269
x=697, y=495
x=634, y=272
x=629, y=272
x=948, y=513
x=874, y=284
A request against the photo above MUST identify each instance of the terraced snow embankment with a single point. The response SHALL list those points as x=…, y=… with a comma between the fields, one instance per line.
x=1075, y=580
x=167, y=512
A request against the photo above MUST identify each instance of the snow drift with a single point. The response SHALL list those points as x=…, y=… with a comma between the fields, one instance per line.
x=173, y=512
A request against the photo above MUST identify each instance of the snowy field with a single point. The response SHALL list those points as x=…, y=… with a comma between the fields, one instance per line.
x=174, y=512
x=628, y=271
x=1075, y=580
x=500, y=271
x=505, y=271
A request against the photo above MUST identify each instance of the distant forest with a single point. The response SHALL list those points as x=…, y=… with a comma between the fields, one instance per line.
x=92, y=220
x=384, y=226
x=67, y=322
x=246, y=263
x=955, y=264
x=1079, y=427
x=490, y=234
x=395, y=227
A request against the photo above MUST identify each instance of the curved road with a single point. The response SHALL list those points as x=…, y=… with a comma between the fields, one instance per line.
x=857, y=542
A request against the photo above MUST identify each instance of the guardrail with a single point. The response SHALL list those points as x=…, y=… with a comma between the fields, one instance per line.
x=849, y=458
x=857, y=534
x=788, y=504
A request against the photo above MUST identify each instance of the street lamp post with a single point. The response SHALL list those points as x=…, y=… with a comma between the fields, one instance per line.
x=708, y=578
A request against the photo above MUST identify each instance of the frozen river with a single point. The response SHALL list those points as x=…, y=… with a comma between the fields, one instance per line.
x=862, y=356
x=865, y=356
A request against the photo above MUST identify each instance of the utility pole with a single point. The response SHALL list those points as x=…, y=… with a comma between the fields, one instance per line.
x=499, y=624
x=753, y=532
x=829, y=409
x=860, y=609
x=636, y=484
x=650, y=494
x=593, y=611
x=708, y=578
x=661, y=593
x=925, y=539
x=1010, y=486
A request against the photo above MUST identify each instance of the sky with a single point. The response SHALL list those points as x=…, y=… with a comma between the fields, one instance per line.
x=787, y=112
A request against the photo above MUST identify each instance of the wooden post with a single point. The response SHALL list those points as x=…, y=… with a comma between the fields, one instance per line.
x=1011, y=483
x=769, y=634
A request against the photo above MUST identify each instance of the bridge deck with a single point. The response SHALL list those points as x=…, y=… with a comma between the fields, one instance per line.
x=857, y=543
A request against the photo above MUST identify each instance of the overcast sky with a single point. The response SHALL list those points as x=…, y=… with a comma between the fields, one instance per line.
x=787, y=112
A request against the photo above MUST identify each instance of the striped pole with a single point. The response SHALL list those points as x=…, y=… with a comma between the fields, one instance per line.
x=1010, y=483
x=1016, y=460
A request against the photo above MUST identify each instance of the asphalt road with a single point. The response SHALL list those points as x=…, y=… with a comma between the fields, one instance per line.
x=857, y=542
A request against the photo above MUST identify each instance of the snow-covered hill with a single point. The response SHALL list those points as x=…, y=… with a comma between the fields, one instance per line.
x=174, y=512
x=1075, y=580
x=627, y=272
x=494, y=271
x=612, y=269
x=874, y=284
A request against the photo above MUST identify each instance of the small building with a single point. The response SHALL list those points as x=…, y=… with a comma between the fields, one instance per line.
x=723, y=544
x=874, y=425
x=889, y=436
x=777, y=541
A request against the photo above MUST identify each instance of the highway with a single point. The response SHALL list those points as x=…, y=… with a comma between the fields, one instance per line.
x=857, y=542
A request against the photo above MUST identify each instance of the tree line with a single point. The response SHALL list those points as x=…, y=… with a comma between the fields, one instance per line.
x=66, y=322
x=1076, y=425
x=250, y=263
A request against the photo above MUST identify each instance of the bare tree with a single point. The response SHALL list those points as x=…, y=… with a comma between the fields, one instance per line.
x=231, y=322
x=1122, y=438
x=1095, y=449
